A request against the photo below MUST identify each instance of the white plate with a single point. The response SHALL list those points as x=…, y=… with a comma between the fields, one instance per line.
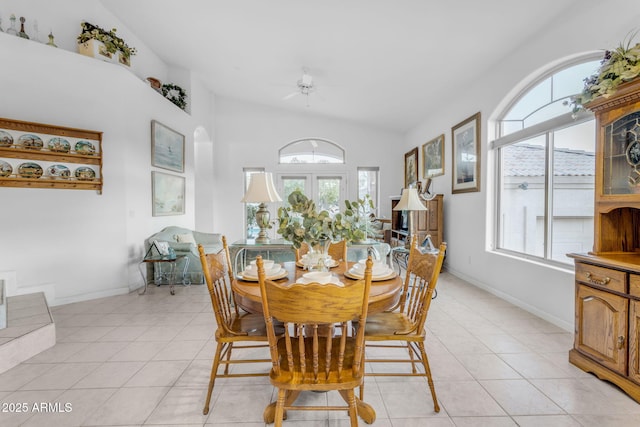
x=354, y=274
x=280, y=275
x=377, y=270
x=251, y=270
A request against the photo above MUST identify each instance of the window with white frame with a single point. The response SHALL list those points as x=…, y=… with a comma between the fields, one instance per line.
x=311, y=150
x=368, y=184
x=328, y=189
x=545, y=167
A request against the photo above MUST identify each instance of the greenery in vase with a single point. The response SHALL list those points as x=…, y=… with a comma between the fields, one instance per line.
x=302, y=222
x=111, y=41
x=618, y=66
x=356, y=219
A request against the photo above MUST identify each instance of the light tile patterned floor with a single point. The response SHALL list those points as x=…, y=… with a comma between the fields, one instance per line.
x=144, y=360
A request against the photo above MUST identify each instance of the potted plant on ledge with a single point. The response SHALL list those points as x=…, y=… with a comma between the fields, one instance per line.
x=619, y=66
x=99, y=43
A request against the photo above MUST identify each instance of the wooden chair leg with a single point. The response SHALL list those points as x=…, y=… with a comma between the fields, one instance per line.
x=212, y=378
x=353, y=409
x=226, y=368
x=280, y=407
x=413, y=359
x=427, y=370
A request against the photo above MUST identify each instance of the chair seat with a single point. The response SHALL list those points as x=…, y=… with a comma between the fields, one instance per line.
x=249, y=327
x=306, y=381
x=388, y=326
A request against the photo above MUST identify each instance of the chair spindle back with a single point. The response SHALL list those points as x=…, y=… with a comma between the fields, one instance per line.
x=423, y=270
x=218, y=276
x=317, y=325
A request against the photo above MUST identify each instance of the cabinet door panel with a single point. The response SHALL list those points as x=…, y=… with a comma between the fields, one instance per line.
x=601, y=327
x=433, y=215
x=634, y=341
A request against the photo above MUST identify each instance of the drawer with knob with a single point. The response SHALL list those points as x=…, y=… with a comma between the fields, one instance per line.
x=614, y=280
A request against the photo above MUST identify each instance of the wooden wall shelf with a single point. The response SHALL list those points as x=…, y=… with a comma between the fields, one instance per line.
x=52, y=156
x=14, y=154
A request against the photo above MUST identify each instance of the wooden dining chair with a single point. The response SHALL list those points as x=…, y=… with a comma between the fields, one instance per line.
x=233, y=325
x=319, y=350
x=337, y=250
x=406, y=323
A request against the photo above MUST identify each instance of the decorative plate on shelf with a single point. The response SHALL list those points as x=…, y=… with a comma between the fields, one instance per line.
x=6, y=140
x=85, y=147
x=30, y=170
x=30, y=141
x=60, y=145
x=84, y=173
x=5, y=169
x=58, y=171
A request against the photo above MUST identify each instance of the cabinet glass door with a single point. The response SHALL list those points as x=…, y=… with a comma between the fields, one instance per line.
x=621, y=174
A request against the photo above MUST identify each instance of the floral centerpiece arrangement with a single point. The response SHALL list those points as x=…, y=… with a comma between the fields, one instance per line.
x=618, y=66
x=302, y=222
x=112, y=43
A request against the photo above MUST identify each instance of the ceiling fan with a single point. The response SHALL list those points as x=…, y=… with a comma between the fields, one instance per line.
x=305, y=86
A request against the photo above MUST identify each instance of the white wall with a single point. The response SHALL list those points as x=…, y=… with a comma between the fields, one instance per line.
x=250, y=135
x=548, y=292
x=83, y=244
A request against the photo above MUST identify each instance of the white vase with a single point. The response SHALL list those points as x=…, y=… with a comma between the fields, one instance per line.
x=95, y=49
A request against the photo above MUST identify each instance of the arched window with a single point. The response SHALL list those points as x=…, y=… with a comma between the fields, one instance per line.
x=311, y=150
x=545, y=158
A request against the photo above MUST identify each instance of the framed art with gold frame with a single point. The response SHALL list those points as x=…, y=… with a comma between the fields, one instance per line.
x=433, y=157
x=465, y=140
x=411, y=167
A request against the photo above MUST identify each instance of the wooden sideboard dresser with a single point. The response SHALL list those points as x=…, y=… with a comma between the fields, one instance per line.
x=607, y=280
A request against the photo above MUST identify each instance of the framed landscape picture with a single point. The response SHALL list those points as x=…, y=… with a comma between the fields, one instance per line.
x=411, y=167
x=465, y=138
x=167, y=147
x=433, y=157
x=168, y=194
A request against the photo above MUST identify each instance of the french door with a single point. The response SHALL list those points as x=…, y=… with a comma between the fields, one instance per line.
x=328, y=190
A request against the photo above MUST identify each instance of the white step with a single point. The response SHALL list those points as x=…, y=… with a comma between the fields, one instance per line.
x=30, y=329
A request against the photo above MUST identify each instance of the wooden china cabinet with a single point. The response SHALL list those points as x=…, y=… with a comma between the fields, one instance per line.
x=427, y=222
x=607, y=280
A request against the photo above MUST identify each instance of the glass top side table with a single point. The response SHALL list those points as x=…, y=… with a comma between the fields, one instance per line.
x=164, y=277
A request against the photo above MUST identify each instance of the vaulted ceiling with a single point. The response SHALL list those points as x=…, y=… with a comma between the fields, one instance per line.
x=380, y=62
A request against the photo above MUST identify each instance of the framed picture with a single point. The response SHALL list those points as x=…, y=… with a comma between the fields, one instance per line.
x=167, y=147
x=433, y=157
x=168, y=194
x=465, y=138
x=411, y=167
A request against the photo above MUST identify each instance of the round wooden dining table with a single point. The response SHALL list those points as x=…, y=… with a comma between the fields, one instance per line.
x=384, y=295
